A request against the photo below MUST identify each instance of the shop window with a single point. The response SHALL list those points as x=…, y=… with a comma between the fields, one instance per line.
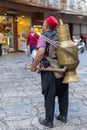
x=63, y=1
x=24, y=24
x=41, y=2
x=38, y=29
x=50, y=3
x=6, y=26
x=34, y=1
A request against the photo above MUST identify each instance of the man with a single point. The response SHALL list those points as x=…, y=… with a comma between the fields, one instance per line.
x=1, y=38
x=85, y=41
x=51, y=86
x=32, y=40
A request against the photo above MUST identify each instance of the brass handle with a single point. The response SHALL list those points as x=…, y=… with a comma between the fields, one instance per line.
x=63, y=70
x=53, y=69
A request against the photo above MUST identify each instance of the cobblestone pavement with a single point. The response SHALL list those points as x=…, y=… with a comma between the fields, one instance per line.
x=21, y=101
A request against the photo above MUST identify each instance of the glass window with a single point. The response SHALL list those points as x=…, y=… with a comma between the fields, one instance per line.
x=51, y=3
x=24, y=24
x=6, y=25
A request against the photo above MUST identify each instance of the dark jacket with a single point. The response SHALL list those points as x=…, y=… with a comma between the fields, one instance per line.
x=52, y=35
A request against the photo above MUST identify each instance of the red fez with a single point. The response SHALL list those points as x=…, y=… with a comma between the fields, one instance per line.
x=52, y=21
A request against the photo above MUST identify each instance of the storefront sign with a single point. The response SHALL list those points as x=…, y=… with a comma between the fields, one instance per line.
x=12, y=12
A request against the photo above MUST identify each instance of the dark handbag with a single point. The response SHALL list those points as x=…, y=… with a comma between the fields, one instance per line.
x=46, y=63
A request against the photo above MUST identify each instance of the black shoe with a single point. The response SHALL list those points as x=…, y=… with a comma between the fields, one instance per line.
x=63, y=119
x=45, y=123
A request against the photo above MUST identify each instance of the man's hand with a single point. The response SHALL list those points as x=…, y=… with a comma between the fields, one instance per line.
x=32, y=68
x=38, y=58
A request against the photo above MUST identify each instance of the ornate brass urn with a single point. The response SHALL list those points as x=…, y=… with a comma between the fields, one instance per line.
x=67, y=55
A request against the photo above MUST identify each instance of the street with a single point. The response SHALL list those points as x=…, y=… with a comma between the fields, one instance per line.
x=82, y=58
x=21, y=100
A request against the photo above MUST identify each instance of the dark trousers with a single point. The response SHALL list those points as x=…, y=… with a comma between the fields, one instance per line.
x=0, y=49
x=52, y=87
x=32, y=48
x=62, y=94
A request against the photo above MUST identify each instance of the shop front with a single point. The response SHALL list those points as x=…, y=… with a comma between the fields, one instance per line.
x=6, y=26
x=23, y=26
x=19, y=17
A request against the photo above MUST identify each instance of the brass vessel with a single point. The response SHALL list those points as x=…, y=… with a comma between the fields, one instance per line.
x=69, y=57
x=67, y=54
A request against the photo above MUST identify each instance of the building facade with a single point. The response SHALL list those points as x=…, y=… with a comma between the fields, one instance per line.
x=17, y=16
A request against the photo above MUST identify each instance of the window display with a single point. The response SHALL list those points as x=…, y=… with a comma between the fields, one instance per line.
x=38, y=29
x=24, y=24
x=6, y=26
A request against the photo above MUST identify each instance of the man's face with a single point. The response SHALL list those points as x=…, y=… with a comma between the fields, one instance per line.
x=44, y=27
x=32, y=30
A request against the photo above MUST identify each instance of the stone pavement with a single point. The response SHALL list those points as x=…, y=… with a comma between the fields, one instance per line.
x=21, y=101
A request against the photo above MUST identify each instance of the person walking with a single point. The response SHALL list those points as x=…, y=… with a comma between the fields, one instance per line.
x=51, y=86
x=85, y=41
x=1, y=38
x=32, y=40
